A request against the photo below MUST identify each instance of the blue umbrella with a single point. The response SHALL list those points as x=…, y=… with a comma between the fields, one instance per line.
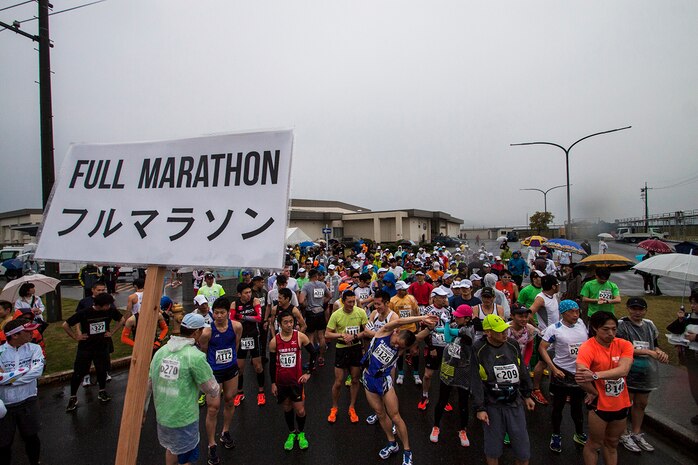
x=565, y=245
x=307, y=244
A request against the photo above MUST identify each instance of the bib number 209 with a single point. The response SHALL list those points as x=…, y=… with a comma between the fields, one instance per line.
x=506, y=374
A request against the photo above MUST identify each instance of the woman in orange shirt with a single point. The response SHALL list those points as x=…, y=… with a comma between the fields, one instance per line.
x=603, y=362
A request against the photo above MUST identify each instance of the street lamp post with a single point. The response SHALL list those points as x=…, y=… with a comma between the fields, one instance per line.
x=545, y=194
x=567, y=166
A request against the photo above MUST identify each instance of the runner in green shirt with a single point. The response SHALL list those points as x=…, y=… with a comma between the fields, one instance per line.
x=177, y=372
x=600, y=293
x=528, y=294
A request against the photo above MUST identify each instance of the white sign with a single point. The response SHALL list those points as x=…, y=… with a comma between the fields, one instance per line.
x=215, y=201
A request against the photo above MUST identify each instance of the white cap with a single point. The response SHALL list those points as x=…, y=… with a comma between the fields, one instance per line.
x=331, y=267
x=301, y=270
x=538, y=273
x=446, y=276
x=497, y=257
x=475, y=277
x=466, y=283
x=200, y=300
x=382, y=270
x=401, y=285
x=439, y=291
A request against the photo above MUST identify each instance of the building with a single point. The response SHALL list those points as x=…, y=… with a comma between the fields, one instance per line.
x=355, y=222
x=19, y=227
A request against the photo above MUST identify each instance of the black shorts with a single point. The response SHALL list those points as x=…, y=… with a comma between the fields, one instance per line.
x=23, y=416
x=226, y=375
x=608, y=417
x=293, y=393
x=315, y=321
x=347, y=357
x=254, y=352
x=433, y=362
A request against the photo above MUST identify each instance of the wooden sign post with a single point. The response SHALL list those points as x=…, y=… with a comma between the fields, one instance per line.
x=136, y=390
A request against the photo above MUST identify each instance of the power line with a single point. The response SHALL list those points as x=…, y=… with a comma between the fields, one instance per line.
x=18, y=4
x=684, y=182
x=58, y=12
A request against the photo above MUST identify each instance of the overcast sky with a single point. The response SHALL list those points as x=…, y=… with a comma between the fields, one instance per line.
x=395, y=104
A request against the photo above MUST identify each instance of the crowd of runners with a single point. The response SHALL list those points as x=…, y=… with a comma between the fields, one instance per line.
x=492, y=328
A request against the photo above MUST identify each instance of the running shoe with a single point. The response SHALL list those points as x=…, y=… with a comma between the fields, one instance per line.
x=372, y=419
x=290, y=440
x=72, y=404
x=463, y=436
x=213, y=458
x=422, y=405
x=226, y=440
x=580, y=439
x=628, y=443
x=353, y=417
x=86, y=382
x=202, y=400
x=642, y=442
x=434, y=436
x=507, y=441
x=538, y=396
x=417, y=380
x=448, y=407
x=332, y=417
x=302, y=441
x=390, y=449
x=238, y=398
x=400, y=379
x=103, y=397
x=407, y=457
x=348, y=381
x=261, y=399
x=321, y=361
x=556, y=443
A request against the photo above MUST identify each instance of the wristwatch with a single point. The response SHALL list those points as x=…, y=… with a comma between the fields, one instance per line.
x=594, y=376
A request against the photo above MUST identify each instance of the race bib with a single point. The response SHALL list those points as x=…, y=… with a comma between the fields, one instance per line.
x=287, y=359
x=405, y=313
x=506, y=374
x=614, y=387
x=224, y=356
x=574, y=349
x=169, y=369
x=98, y=328
x=318, y=293
x=454, y=350
x=352, y=330
x=438, y=339
x=247, y=343
x=383, y=354
x=641, y=345
x=605, y=294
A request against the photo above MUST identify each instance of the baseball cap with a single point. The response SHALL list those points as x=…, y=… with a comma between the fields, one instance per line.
x=165, y=302
x=301, y=270
x=419, y=273
x=463, y=311
x=439, y=291
x=193, y=321
x=17, y=326
x=636, y=302
x=401, y=285
x=497, y=257
x=382, y=270
x=209, y=275
x=487, y=291
x=200, y=300
x=466, y=283
x=538, y=273
x=494, y=323
x=567, y=304
x=344, y=286
x=475, y=277
x=519, y=310
x=446, y=276
x=246, y=272
x=331, y=267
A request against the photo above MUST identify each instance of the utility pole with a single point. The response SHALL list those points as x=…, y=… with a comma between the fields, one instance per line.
x=48, y=177
x=643, y=196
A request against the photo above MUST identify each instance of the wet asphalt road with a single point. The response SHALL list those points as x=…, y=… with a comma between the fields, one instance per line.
x=89, y=436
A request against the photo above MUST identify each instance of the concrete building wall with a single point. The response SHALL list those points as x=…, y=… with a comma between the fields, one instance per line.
x=358, y=229
x=388, y=230
x=9, y=236
x=311, y=228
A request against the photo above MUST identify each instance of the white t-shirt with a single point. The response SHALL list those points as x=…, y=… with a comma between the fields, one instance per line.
x=566, y=340
x=551, y=313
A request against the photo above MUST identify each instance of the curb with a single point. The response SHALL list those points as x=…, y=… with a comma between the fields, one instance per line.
x=676, y=432
x=63, y=376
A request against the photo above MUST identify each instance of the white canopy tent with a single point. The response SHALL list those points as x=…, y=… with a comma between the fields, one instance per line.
x=296, y=236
